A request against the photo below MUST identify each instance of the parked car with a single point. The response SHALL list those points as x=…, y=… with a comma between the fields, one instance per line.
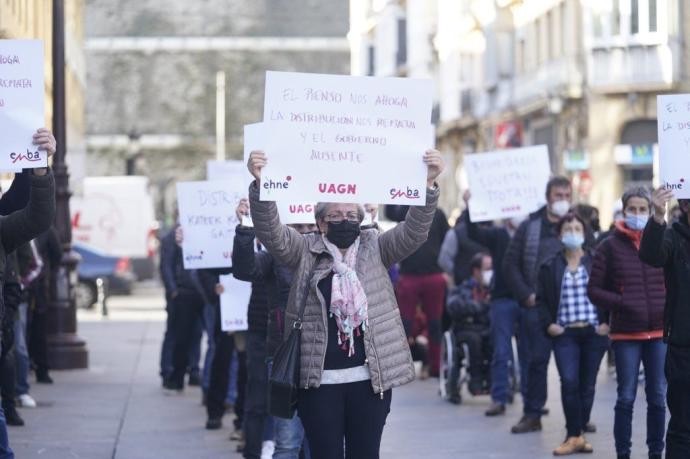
x=115, y=271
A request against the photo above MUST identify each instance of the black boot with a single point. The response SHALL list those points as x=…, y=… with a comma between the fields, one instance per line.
x=12, y=417
x=43, y=377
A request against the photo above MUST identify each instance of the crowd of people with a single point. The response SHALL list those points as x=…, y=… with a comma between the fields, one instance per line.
x=372, y=307
x=30, y=250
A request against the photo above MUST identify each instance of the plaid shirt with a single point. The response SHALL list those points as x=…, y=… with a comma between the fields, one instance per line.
x=575, y=305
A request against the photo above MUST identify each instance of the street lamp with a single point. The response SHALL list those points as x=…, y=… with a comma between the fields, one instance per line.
x=65, y=349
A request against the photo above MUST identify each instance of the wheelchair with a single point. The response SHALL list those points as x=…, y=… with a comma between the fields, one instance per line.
x=455, y=354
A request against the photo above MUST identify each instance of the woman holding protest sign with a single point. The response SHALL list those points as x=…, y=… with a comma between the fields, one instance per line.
x=353, y=344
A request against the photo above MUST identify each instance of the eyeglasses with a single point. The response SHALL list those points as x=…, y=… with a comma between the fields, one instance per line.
x=339, y=218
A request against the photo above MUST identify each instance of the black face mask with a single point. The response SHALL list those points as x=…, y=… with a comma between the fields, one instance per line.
x=343, y=234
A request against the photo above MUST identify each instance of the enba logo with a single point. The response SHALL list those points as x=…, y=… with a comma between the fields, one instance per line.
x=32, y=156
x=409, y=193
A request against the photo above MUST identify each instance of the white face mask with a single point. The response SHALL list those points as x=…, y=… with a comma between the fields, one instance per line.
x=515, y=222
x=487, y=277
x=559, y=208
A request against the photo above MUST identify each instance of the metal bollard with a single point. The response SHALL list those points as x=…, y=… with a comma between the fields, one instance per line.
x=101, y=296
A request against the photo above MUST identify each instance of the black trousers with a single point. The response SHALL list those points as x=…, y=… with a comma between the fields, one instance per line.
x=344, y=420
x=188, y=309
x=220, y=376
x=8, y=378
x=37, y=337
x=256, y=406
x=678, y=399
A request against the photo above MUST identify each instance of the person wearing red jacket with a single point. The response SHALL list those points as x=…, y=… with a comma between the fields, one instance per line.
x=634, y=293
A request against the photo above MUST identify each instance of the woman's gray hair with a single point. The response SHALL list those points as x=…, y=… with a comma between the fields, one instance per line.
x=321, y=210
x=637, y=192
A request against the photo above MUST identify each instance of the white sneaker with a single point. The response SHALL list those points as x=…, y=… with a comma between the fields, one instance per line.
x=267, y=449
x=26, y=401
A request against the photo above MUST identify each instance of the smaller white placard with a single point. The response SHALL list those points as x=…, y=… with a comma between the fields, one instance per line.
x=208, y=219
x=234, y=304
x=507, y=183
x=22, y=104
x=673, y=115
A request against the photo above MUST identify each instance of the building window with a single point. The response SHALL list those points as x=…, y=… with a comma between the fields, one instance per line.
x=652, y=16
x=634, y=17
x=401, y=55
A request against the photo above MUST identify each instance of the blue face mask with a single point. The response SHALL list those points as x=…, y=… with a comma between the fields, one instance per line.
x=636, y=222
x=572, y=241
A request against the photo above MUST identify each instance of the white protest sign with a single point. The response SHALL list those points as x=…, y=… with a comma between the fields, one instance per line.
x=341, y=138
x=290, y=212
x=234, y=303
x=673, y=115
x=228, y=170
x=22, y=104
x=507, y=183
x=208, y=220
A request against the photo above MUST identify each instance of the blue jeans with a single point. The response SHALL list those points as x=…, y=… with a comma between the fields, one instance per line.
x=538, y=346
x=5, y=450
x=21, y=352
x=505, y=316
x=629, y=354
x=210, y=328
x=578, y=353
x=169, y=343
x=288, y=434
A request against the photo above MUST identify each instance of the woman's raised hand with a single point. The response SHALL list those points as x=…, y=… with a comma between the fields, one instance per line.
x=242, y=209
x=434, y=164
x=257, y=161
x=660, y=198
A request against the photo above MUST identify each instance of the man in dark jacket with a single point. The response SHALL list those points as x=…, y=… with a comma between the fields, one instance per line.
x=458, y=250
x=50, y=251
x=422, y=282
x=535, y=242
x=251, y=266
x=505, y=311
x=171, y=265
x=669, y=248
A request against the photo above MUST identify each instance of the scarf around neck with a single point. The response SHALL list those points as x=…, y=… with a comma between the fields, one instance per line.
x=349, y=304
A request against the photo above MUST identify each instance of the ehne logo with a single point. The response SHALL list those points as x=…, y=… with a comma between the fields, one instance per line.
x=32, y=156
x=674, y=186
x=406, y=193
x=271, y=185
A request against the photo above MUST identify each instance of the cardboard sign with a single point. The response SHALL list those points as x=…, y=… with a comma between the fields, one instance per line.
x=341, y=138
x=290, y=212
x=507, y=183
x=22, y=104
x=234, y=304
x=207, y=217
x=673, y=115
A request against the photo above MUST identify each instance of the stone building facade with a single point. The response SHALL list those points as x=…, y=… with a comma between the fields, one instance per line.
x=152, y=76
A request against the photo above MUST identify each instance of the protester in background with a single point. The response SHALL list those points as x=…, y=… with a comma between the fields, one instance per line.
x=590, y=215
x=353, y=346
x=634, y=294
x=50, y=251
x=20, y=226
x=422, y=282
x=178, y=281
x=251, y=266
x=578, y=330
x=468, y=307
x=675, y=214
x=505, y=312
x=536, y=241
x=458, y=250
x=669, y=248
x=30, y=267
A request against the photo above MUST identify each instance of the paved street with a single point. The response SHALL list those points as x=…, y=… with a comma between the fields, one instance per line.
x=116, y=408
